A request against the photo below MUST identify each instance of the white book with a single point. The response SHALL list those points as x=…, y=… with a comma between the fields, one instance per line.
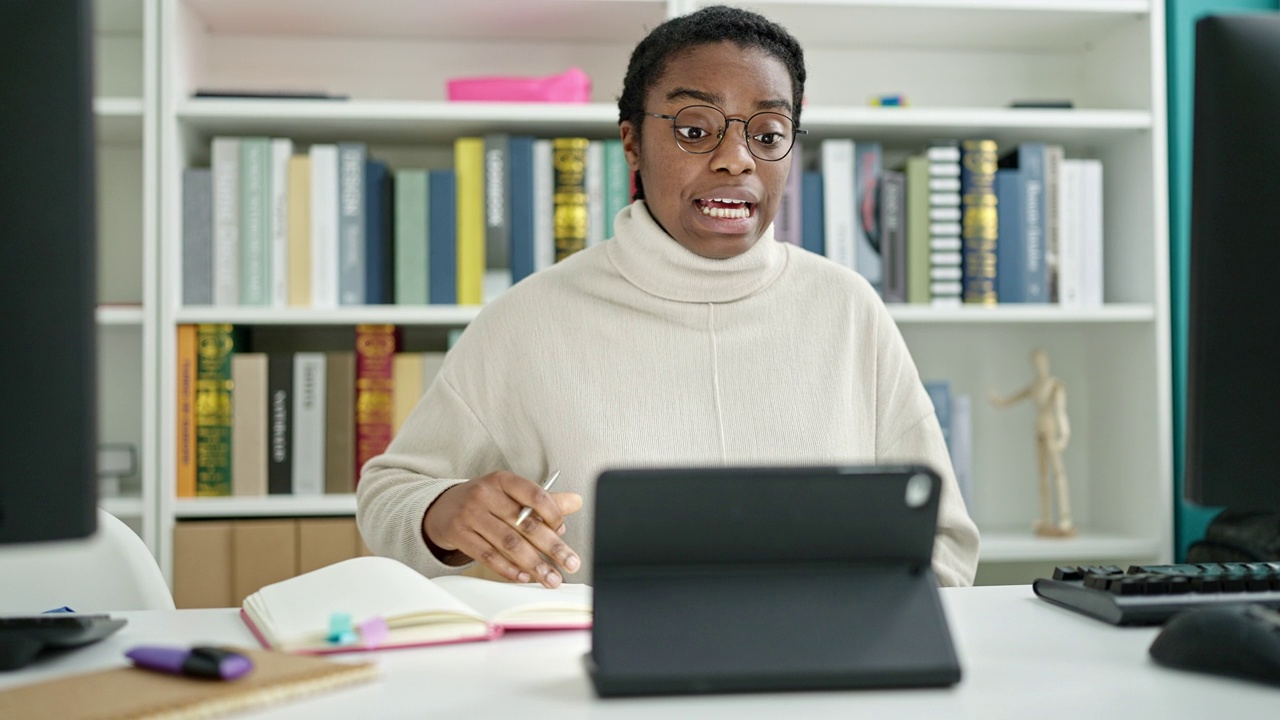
x=943, y=154
x=946, y=244
x=294, y=615
x=225, y=154
x=946, y=272
x=944, y=200
x=944, y=230
x=944, y=184
x=324, y=226
x=595, y=192
x=1092, y=231
x=281, y=151
x=949, y=213
x=1070, y=210
x=544, y=242
x=431, y=364
x=837, y=201
x=308, y=423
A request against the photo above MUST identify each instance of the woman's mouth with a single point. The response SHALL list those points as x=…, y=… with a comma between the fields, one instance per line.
x=725, y=208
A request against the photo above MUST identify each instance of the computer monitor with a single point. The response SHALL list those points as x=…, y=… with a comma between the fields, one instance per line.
x=48, y=415
x=1233, y=368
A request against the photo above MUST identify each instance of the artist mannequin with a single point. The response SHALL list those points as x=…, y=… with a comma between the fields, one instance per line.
x=1052, y=434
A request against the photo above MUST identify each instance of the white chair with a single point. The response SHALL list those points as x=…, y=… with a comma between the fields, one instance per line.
x=110, y=571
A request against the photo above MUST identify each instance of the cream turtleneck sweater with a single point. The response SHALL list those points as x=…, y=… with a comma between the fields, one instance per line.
x=638, y=352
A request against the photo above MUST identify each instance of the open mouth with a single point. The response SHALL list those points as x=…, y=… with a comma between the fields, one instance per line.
x=725, y=208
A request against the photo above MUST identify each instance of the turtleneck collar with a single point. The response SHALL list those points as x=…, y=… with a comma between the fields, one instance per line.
x=653, y=261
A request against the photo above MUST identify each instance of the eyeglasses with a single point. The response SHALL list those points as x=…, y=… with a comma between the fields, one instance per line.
x=699, y=129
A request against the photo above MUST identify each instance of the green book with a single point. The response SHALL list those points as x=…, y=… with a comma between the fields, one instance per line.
x=214, y=389
x=411, y=272
x=617, y=183
x=918, y=230
x=255, y=221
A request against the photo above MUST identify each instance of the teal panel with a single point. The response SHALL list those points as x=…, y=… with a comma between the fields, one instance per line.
x=1181, y=15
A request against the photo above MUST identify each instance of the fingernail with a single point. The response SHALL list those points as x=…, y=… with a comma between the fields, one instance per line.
x=560, y=530
x=523, y=577
x=571, y=563
x=553, y=579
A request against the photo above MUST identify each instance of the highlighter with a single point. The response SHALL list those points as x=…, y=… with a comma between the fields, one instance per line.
x=201, y=662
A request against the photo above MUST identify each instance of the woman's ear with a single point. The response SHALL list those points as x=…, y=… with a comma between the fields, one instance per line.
x=630, y=144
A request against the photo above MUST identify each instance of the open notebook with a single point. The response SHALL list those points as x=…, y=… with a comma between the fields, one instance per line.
x=294, y=615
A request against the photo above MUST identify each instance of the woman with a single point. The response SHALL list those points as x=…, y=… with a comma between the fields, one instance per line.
x=690, y=338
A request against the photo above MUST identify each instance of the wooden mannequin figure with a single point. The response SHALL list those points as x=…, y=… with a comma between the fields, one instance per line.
x=1052, y=434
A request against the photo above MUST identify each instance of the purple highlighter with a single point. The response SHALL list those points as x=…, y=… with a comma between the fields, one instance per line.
x=202, y=662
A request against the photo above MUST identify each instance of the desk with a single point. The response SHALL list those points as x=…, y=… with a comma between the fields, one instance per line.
x=1021, y=658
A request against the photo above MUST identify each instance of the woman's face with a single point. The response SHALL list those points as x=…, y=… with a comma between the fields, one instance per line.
x=686, y=193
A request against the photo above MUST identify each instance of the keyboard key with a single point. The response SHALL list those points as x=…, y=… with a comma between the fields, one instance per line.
x=1068, y=573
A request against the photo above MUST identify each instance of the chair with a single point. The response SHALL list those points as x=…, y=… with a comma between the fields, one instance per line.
x=111, y=571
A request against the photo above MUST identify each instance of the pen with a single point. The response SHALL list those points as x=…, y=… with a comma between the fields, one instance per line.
x=546, y=485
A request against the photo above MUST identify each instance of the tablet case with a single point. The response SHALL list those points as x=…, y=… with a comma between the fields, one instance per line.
x=761, y=579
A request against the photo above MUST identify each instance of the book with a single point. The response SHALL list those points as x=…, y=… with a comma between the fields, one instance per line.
x=544, y=246
x=197, y=236
x=294, y=615
x=280, y=427
x=945, y=271
x=868, y=166
x=379, y=284
x=1011, y=241
x=594, y=184
x=299, y=231
x=249, y=434
x=225, y=153
x=917, y=203
x=442, y=242
x=351, y=223
x=617, y=183
x=376, y=346
x=340, y=468
x=130, y=692
x=411, y=263
x=307, y=473
x=281, y=155
x=569, y=159
x=520, y=202
x=811, y=212
x=838, y=201
x=468, y=167
x=324, y=226
x=979, y=224
x=893, y=236
x=1030, y=159
x=255, y=221
x=185, y=435
x=214, y=347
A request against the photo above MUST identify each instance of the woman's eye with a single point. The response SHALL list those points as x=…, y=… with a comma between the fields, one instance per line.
x=768, y=138
x=692, y=133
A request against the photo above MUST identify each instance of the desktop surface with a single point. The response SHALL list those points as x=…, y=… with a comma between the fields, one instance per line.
x=1021, y=658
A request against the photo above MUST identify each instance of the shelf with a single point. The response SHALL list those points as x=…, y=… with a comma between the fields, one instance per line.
x=119, y=119
x=125, y=507
x=441, y=315
x=118, y=315
x=1005, y=545
x=270, y=506
x=421, y=121
x=979, y=314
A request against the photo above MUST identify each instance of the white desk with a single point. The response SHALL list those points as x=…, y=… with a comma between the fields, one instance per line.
x=1021, y=658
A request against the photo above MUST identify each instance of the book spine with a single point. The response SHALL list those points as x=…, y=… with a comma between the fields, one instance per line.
x=617, y=183
x=918, y=230
x=442, y=233
x=280, y=428
x=281, y=152
x=340, y=423
x=569, y=157
x=837, y=201
x=351, y=210
x=1052, y=224
x=249, y=431
x=197, y=236
x=544, y=180
x=1095, y=294
x=406, y=373
x=893, y=236
x=376, y=346
x=945, y=271
x=300, y=231
x=520, y=197
x=411, y=264
x=215, y=345
x=868, y=167
x=308, y=423
x=1011, y=241
x=811, y=211
x=594, y=184
x=468, y=167
x=225, y=154
x=377, y=234
x=255, y=221
x=185, y=449
x=980, y=220
x=497, y=209
x=324, y=226
x=940, y=395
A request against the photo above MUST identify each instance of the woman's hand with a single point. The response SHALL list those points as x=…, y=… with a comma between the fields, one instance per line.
x=477, y=519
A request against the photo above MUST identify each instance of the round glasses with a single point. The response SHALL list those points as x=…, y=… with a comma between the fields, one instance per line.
x=699, y=129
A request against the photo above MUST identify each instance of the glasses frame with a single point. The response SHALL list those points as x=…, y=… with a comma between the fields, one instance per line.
x=797, y=131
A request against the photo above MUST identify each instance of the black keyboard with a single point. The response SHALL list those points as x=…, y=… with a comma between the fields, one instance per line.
x=23, y=637
x=1151, y=594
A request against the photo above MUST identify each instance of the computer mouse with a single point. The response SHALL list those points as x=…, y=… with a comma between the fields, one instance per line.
x=1240, y=641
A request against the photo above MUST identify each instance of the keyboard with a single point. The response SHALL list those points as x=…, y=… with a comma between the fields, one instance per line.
x=23, y=637
x=1151, y=594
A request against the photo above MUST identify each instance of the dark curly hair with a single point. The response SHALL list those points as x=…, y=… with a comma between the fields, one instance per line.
x=707, y=26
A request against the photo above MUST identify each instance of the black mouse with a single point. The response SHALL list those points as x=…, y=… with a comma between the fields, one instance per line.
x=1240, y=641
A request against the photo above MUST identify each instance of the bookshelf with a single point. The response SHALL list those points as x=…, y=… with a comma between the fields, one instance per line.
x=125, y=118
x=959, y=62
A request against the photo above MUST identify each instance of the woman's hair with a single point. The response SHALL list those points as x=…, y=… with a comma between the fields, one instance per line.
x=707, y=26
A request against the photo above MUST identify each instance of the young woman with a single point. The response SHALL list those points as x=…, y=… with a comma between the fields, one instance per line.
x=690, y=338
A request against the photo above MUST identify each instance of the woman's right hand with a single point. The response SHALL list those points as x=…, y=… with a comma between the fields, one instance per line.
x=477, y=518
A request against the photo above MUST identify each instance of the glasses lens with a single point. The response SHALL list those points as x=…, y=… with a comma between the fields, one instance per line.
x=698, y=128
x=769, y=135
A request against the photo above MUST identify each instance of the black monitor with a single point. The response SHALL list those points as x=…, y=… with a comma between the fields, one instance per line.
x=48, y=414
x=1233, y=364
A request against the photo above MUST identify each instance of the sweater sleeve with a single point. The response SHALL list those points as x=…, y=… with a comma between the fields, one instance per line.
x=441, y=444
x=907, y=431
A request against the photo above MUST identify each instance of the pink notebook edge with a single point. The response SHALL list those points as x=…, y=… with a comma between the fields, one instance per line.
x=492, y=632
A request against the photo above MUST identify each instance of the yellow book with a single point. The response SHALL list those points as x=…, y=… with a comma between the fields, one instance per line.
x=186, y=430
x=300, y=231
x=468, y=165
x=407, y=375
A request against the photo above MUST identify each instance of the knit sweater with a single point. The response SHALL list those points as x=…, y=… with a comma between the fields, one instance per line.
x=639, y=353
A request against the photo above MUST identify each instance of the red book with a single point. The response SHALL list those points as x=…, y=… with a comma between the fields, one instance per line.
x=376, y=346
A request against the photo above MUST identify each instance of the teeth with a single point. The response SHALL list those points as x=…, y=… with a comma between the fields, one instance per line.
x=741, y=211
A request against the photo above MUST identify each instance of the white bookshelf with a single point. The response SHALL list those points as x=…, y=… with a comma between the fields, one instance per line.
x=959, y=62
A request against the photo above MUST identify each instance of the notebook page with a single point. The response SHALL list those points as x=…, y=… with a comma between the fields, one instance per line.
x=364, y=587
x=526, y=605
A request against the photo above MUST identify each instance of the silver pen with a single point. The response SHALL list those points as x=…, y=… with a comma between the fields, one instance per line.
x=546, y=485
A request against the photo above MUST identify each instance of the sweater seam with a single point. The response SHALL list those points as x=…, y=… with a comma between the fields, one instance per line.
x=891, y=446
x=506, y=462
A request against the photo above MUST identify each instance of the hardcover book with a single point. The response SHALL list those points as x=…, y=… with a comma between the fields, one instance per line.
x=376, y=346
x=569, y=160
x=214, y=347
x=979, y=220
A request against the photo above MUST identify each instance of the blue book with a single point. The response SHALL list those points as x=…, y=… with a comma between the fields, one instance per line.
x=1030, y=158
x=378, y=238
x=1011, y=242
x=940, y=393
x=520, y=200
x=811, y=213
x=442, y=237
